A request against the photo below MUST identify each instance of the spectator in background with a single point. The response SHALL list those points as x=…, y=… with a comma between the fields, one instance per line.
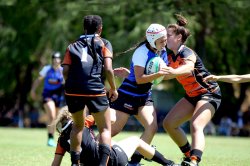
x=245, y=130
x=210, y=129
x=225, y=126
x=52, y=93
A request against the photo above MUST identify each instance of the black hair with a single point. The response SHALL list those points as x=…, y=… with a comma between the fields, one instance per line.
x=91, y=24
x=135, y=46
x=179, y=27
x=91, y=48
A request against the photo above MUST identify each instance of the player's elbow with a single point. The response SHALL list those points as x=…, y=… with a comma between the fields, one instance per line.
x=65, y=71
x=139, y=81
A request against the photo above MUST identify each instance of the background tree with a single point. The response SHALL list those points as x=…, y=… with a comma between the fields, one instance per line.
x=31, y=30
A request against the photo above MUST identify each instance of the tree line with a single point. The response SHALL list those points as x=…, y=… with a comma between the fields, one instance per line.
x=30, y=30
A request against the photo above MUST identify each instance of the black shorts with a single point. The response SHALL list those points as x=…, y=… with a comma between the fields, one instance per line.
x=212, y=98
x=94, y=104
x=121, y=158
x=130, y=104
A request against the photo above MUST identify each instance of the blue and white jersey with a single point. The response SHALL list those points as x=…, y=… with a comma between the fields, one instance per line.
x=53, y=78
x=140, y=57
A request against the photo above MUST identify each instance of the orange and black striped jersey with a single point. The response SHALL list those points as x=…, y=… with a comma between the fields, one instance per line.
x=193, y=82
x=63, y=140
x=85, y=58
x=89, y=145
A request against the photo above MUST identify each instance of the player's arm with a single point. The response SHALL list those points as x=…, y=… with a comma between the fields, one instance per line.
x=36, y=83
x=142, y=78
x=65, y=71
x=57, y=160
x=109, y=72
x=113, y=94
x=60, y=151
x=66, y=64
x=108, y=69
x=121, y=72
x=229, y=78
x=139, y=60
x=186, y=68
x=168, y=76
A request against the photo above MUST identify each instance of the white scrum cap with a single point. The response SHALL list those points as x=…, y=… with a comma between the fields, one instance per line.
x=154, y=32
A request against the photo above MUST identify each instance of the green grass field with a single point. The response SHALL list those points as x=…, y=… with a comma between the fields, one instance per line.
x=26, y=147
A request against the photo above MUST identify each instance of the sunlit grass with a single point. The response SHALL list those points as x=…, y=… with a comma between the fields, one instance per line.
x=24, y=147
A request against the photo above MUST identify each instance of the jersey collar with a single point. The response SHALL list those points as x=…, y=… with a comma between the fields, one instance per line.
x=180, y=48
x=88, y=36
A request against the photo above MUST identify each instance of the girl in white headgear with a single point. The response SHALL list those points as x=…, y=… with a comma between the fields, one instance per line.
x=135, y=91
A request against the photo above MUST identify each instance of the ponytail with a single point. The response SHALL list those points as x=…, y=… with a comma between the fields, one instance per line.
x=181, y=21
x=179, y=27
x=140, y=43
x=91, y=48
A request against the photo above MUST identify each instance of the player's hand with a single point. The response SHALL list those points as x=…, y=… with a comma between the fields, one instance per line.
x=121, y=72
x=210, y=78
x=167, y=70
x=112, y=94
x=162, y=70
x=170, y=72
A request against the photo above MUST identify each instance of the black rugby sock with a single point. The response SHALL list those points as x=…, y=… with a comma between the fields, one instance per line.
x=50, y=135
x=159, y=158
x=196, y=155
x=186, y=149
x=75, y=157
x=136, y=158
x=104, y=151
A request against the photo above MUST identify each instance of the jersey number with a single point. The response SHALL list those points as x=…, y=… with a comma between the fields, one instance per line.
x=84, y=54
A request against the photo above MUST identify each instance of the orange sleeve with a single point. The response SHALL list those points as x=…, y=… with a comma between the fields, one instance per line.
x=59, y=149
x=89, y=121
x=67, y=58
x=106, y=53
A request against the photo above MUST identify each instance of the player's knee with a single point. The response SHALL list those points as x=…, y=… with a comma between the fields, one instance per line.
x=168, y=124
x=105, y=135
x=196, y=127
x=151, y=127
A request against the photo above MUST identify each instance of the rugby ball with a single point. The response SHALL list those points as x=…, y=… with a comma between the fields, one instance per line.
x=153, y=66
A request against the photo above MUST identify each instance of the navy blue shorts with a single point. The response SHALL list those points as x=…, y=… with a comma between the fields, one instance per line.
x=55, y=95
x=130, y=104
x=94, y=104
